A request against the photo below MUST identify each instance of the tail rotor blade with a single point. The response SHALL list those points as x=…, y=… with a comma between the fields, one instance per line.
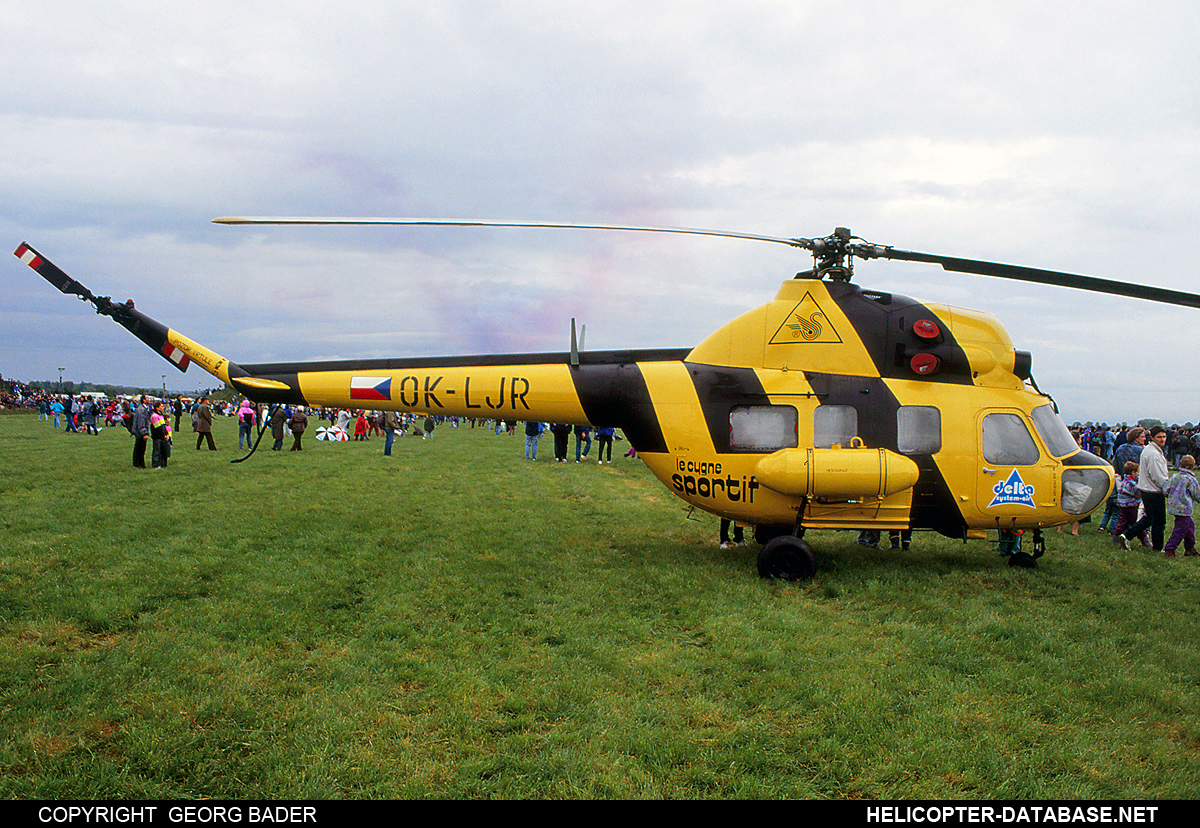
x=50, y=272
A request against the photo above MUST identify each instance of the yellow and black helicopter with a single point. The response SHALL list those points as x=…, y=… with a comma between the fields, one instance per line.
x=829, y=407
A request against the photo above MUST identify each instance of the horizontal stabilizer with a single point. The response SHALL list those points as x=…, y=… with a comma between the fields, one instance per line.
x=260, y=383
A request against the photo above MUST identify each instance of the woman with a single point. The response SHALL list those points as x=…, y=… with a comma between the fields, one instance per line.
x=247, y=418
x=298, y=424
x=91, y=412
x=278, y=422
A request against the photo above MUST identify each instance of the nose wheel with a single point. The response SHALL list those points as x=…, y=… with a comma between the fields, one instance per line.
x=1010, y=544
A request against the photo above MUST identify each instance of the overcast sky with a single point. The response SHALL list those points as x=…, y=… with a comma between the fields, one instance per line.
x=1058, y=135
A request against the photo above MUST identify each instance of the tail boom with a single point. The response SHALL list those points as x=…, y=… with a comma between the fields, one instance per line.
x=171, y=345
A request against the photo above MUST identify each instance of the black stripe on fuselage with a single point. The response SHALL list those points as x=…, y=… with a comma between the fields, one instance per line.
x=933, y=504
x=718, y=390
x=615, y=394
x=884, y=324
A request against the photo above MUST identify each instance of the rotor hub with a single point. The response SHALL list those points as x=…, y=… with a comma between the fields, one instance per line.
x=833, y=257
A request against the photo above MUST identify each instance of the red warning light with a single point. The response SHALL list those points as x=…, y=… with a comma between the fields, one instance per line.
x=927, y=329
x=925, y=364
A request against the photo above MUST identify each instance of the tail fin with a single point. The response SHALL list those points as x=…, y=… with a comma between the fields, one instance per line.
x=170, y=345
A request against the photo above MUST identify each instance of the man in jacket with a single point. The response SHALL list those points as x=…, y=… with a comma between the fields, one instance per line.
x=204, y=425
x=139, y=427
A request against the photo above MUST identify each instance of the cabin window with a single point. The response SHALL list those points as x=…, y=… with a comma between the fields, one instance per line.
x=763, y=428
x=1007, y=442
x=834, y=424
x=918, y=429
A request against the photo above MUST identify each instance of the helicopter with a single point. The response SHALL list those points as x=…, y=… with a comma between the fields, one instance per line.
x=828, y=407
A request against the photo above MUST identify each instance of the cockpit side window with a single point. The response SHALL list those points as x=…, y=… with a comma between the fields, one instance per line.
x=1007, y=442
x=834, y=424
x=1054, y=431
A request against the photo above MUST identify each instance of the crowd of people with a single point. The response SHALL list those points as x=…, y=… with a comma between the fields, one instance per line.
x=1146, y=489
x=1104, y=440
x=154, y=423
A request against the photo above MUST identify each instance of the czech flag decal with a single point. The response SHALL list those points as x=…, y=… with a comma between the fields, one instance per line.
x=370, y=388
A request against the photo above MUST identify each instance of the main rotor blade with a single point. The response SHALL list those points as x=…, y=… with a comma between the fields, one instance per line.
x=1045, y=277
x=821, y=246
x=445, y=222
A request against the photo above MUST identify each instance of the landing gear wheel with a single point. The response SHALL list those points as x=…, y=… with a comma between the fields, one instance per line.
x=1023, y=559
x=787, y=558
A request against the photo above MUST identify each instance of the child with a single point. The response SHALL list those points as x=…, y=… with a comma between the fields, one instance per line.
x=1128, y=501
x=1183, y=492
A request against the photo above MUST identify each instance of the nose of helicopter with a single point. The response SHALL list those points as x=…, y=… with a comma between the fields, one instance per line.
x=1087, y=480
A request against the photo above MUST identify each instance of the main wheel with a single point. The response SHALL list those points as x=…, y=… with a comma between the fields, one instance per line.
x=787, y=558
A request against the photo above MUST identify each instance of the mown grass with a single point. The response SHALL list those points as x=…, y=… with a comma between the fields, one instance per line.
x=455, y=622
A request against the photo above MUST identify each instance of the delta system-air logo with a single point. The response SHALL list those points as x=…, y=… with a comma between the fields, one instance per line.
x=1012, y=492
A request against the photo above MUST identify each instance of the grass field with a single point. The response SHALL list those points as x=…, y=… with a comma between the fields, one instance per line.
x=455, y=622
